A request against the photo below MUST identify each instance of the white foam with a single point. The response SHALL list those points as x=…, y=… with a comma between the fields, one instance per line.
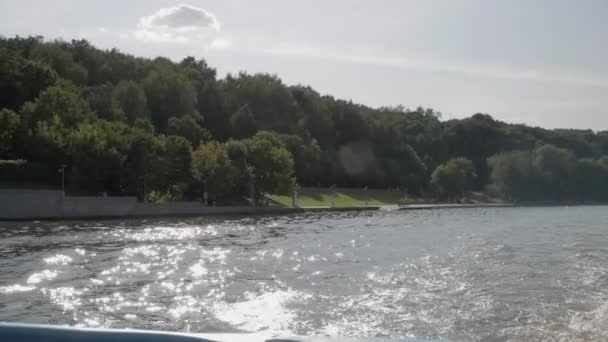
x=594, y=323
x=268, y=311
x=198, y=270
x=58, y=259
x=15, y=289
x=39, y=277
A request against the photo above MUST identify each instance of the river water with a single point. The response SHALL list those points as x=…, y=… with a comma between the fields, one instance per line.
x=495, y=274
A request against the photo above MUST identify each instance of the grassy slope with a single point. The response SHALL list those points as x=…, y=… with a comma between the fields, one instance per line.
x=344, y=197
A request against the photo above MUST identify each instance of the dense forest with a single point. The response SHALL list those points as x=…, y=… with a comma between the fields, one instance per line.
x=123, y=125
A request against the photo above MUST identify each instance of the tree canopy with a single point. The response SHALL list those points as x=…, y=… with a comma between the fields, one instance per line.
x=132, y=126
x=454, y=178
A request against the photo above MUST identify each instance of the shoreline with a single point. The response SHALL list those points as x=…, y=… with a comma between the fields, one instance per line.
x=240, y=211
x=204, y=212
x=171, y=210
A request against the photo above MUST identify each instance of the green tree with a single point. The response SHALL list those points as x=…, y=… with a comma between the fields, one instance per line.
x=177, y=155
x=212, y=169
x=454, y=178
x=100, y=100
x=591, y=180
x=61, y=59
x=9, y=131
x=169, y=93
x=243, y=123
x=406, y=169
x=144, y=170
x=129, y=98
x=555, y=168
x=21, y=79
x=513, y=175
x=271, y=165
x=266, y=96
x=59, y=88
x=63, y=100
x=97, y=151
x=169, y=176
x=188, y=127
x=211, y=106
x=47, y=142
x=546, y=173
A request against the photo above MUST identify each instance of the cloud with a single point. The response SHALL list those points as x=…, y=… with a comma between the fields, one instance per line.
x=181, y=24
x=220, y=44
x=497, y=71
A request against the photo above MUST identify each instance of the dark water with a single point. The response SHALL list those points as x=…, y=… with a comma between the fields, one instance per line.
x=514, y=274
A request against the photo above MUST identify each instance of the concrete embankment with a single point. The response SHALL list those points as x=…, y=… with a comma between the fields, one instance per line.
x=24, y=205
x=27, y=205
x=453, y=206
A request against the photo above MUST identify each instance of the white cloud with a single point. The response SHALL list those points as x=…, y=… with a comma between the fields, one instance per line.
x=497, y=71
x=181, y=24
x=220, y=44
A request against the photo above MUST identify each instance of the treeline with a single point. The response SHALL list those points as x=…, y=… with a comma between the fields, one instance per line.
x=132, y=126
x=549, y=173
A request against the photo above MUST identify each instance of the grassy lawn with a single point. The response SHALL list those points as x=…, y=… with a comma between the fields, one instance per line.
x=344, y=197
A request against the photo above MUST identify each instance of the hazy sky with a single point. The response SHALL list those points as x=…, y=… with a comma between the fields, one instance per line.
x=541, y=62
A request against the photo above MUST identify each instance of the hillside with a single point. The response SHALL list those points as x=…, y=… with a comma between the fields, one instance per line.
x=125, y=125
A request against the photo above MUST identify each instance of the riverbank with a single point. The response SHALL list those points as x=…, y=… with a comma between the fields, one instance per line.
x=343, y=197
x=32, y=205
x=454, y=206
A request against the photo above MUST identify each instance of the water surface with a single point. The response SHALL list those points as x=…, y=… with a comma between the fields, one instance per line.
x=494, y=274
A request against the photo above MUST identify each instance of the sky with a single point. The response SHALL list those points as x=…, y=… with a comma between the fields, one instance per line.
x=541, y=62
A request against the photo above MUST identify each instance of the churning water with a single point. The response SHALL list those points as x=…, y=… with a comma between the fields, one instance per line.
x=499, y=274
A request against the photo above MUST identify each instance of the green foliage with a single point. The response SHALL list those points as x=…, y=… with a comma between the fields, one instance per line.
x=143, y=169
x=212, y=169
x=97, y=152
x=21, y=173
x=9, y=129
x=22, y=79
x=210, y=105
x=169, y=93
x=454, y=178
x=62, y=61
x=306, y=157
x=513, y=174
x=100, y=100
x=144, y=125
x=549, y=173
x=243, y=123
x=126, y=125
x=47, y=142
x=267, y=97
x=188, y=127
x=271, y=165
x=177, y=158
x=129, y=98
x=63, y=100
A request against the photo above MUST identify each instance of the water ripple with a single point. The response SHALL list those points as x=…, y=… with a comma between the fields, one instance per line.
x=522, y=274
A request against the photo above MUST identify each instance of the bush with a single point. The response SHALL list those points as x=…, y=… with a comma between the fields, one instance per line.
x=20, y=173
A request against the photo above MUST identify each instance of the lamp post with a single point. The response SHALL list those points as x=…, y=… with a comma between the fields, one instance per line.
x=251, y=175
x=333, y=195
x=294, y=195
x=62, y=170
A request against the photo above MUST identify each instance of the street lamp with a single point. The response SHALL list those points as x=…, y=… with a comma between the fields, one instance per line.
x=333, y=195
x=62, y=170
x=294, y=195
